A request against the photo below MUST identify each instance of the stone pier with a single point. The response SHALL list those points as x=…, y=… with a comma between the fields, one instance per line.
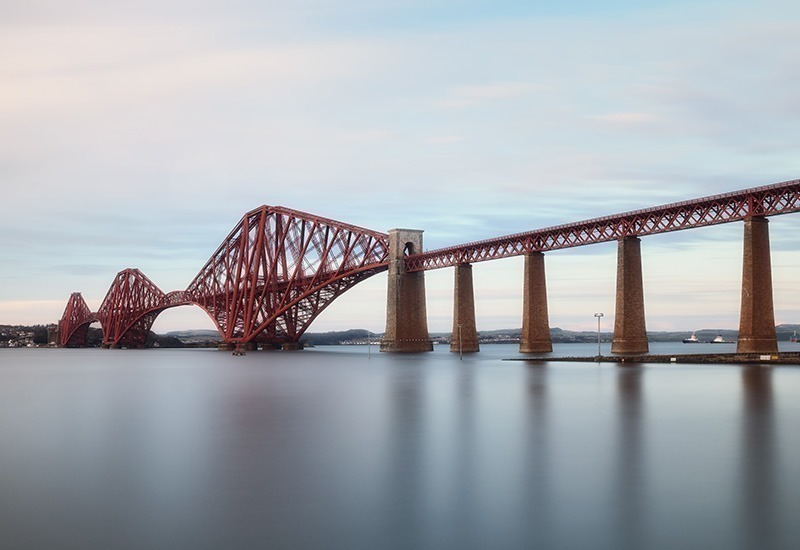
x=630, y=334
x=535, y=337
x=244, y=347
x=465, y=331
x=292, y=346
x=757, y=317
x=406, y=316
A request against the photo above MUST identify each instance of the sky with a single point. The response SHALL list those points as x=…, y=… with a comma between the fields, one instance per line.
x=136, y=134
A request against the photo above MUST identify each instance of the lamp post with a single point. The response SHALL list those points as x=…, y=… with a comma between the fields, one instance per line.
x=598, y=315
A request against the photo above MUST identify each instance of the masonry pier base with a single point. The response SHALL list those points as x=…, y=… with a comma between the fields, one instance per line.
x=535, y=337
x=630, y=333
x=757, y=317
x=406, y=315
x=465, y=331
x=292, y=346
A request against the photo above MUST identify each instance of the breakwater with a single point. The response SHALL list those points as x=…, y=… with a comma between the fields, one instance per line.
x=781, y=358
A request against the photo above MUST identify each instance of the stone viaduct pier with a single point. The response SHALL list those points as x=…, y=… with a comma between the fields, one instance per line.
x=406, y=323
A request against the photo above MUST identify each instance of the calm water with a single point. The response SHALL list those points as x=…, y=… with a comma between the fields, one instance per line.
x=330, y=448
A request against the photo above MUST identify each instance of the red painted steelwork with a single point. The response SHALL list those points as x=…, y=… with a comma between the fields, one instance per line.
x=279, y=268
x=770, y=200
x=74, y=324
x=274, y=273
x=131, y=306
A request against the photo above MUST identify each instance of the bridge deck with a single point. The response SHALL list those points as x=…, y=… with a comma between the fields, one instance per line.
x=769, y=200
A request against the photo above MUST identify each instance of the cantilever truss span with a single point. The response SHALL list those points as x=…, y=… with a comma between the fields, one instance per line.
x=74, y=324
x=130, y=308
x=279, y=268
x=269, y=279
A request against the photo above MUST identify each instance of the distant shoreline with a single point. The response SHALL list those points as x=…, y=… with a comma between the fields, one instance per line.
x=36, y=335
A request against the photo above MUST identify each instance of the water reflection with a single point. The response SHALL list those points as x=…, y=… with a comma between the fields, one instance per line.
x=630, y=462
x=405, y=512
x=758, y=463
x=326, y=451
x=250, y=450
x=537, y=488
x=464, y=492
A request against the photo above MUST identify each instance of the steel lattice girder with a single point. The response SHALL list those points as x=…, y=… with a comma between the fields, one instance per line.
x=74, y=324
x=279, y=268
x=770, y=200
x=131, y=306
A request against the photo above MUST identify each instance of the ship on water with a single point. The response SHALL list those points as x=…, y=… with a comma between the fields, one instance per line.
x=693, y=339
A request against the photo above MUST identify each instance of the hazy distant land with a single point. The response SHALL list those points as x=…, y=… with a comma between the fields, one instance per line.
x=32, y=336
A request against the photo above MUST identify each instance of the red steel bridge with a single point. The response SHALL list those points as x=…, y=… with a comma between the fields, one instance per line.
x=278, y=269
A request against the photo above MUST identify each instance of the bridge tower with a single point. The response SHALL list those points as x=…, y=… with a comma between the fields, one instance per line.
x=757, y=316
x=406, y=314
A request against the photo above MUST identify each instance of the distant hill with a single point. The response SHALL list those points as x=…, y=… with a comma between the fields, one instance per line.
x=11, y=336
x=196, y=338
x=558, y=335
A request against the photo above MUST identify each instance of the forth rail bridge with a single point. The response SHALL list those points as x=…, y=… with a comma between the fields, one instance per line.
x=278, y=269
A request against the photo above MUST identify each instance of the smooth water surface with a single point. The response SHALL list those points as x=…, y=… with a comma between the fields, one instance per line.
x=349, y=448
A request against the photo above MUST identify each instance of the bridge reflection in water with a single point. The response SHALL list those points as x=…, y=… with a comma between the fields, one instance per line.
x=760, y=503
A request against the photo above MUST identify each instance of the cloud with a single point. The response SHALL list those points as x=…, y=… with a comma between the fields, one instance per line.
x=364, y=136
x=444, y=140
x=626, y=118
x=472, y=95
x=132, y=136
x=63, y=69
